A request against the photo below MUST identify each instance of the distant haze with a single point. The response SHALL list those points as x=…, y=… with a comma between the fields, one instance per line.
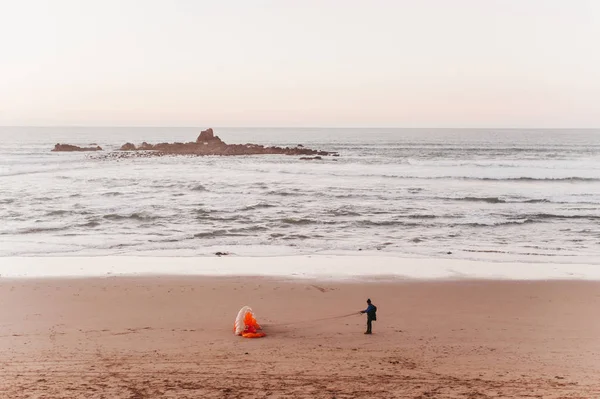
x=460, y=63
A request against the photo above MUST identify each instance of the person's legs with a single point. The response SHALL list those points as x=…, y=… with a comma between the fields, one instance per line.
x=369, y=321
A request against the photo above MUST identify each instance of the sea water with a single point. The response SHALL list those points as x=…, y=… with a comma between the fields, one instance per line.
x=492, y=194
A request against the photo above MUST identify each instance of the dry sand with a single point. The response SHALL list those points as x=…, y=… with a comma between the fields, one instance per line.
x=154, y=337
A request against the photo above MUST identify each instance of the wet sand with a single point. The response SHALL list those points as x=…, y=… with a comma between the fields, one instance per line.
x=171, y=337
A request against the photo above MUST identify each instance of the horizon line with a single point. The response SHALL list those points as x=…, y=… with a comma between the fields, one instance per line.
x=300, y=127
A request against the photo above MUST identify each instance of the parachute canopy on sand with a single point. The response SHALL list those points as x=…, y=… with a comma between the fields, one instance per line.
x=246, y=325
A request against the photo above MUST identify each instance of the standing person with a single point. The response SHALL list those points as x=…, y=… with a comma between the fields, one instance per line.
x=371, y=312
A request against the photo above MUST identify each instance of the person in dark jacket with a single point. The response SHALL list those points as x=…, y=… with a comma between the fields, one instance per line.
x=371, y=312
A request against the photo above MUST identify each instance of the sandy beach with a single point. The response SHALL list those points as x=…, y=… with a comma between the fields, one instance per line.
x=171, y=336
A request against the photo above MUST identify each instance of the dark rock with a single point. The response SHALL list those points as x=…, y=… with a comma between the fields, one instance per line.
x=69, y=148
x=128, y=147
x=206, y=135
x=209, y=144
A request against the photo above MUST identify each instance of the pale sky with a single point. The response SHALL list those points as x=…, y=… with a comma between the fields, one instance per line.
x=376, y=63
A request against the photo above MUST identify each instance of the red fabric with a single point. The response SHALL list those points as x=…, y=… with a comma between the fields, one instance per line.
x=251, y=326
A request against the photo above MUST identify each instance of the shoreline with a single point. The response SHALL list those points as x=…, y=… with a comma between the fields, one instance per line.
x=319, y=267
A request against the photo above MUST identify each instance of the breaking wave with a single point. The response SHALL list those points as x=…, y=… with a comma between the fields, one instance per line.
x=260, y=205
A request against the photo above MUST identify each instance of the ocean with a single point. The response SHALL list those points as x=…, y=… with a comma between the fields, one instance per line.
x=485, y=194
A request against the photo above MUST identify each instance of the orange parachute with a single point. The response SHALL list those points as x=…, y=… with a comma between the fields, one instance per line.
x=246, y=325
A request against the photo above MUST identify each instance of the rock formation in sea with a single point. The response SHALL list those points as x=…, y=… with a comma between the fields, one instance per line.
x=206, y=136
x=68, y=148
x=209, y=144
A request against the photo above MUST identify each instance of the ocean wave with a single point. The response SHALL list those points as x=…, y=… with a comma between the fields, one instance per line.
x=416, y=177
x=215, y=218
x=419, y=216
x=299, y=221
x=204, y=214
x=133, y=216
x=495, y=163
x=497, y=200
x=211, y=234
x=516, y=253
x=58, y=212
x=237, y=232
x=463, y=178
x=112, y=194
x=165, y=240
x=539, y=218
x=489, y=200
x=260, y=205
x=386, y=223
x=536, y=179
x=405, y=223
x=285, y=193
x=300, y=237
x=543, y=216
x=342, y=212
x=123, y=245
x=91, y=223
x=496, y=179
x=199, y=187
x=35, y=230
x=494, y=224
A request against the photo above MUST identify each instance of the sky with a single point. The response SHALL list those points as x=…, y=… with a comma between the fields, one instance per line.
x=346, y=63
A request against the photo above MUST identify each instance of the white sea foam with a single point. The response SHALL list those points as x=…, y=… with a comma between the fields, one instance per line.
x=319, y=267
